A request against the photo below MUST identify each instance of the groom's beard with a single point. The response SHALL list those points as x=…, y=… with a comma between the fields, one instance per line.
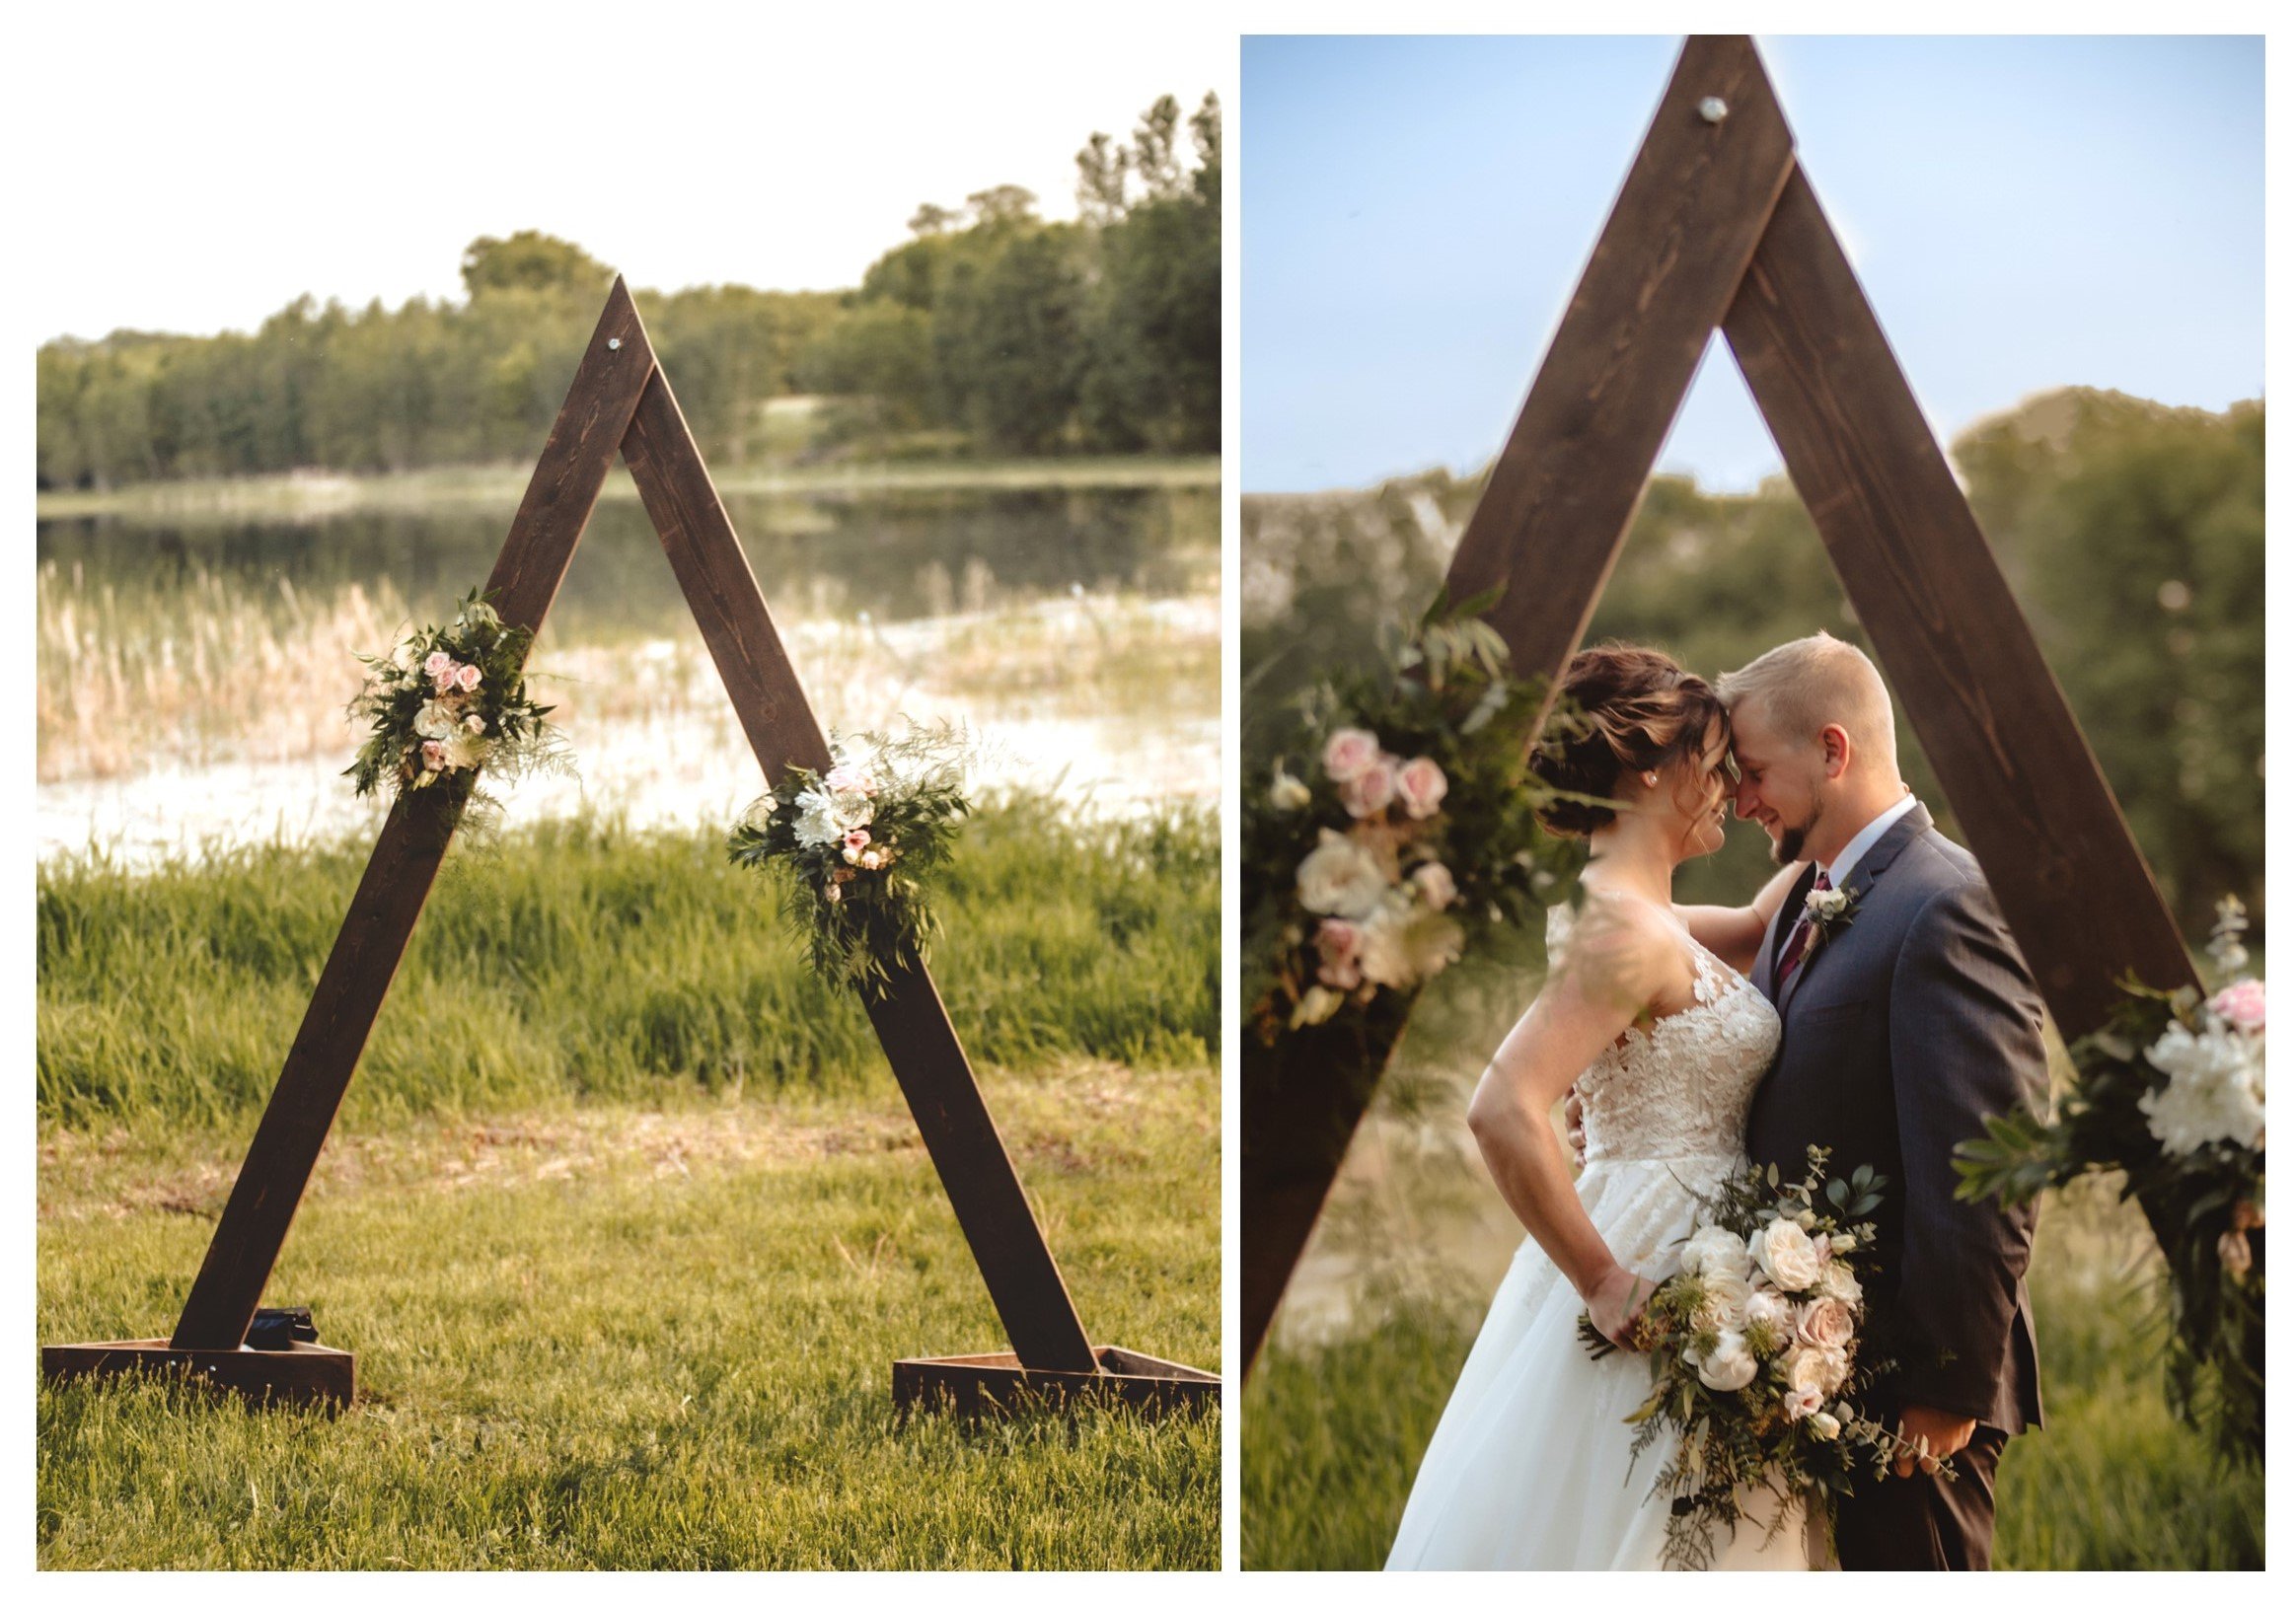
x=1786, y=849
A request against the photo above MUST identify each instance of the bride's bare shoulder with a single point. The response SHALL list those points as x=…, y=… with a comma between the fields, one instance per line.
x=1619, y=948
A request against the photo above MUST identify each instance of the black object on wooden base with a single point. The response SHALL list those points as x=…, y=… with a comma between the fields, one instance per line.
x=994, y=1384
x=302, y=1374
x=1717, y=228
x=621, y=404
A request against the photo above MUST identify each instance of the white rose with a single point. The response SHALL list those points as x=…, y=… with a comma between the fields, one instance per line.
x=1715, y=1251
x=435, y=721
x=1340, y=878
x=1805, y=1367
x=1799, y=1404
x=1770, y=1310
x=1825, y=1426
x=1731, y=1368
x=1839, y=1284
x=1825, y=903
x=1784, y=1251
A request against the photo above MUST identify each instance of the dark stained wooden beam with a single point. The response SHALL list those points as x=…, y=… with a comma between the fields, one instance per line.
x=1564, y=490
x=1989, y=713
x=326, y=1051
x=920, y=1041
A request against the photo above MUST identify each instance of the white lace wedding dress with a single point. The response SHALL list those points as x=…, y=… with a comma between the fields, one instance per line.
x=1532, y=1465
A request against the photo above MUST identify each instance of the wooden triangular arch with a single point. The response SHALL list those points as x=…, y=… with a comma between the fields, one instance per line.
x=620, y=402
x=1716, y=226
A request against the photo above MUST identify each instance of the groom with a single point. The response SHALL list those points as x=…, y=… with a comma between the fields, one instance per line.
x=1908, y=1018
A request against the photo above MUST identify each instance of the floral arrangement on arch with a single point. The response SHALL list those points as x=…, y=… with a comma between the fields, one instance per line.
x=856, y=847
x=1755, y=1361
x=449, y=701
x=1399, y=828
x=2170, y=1094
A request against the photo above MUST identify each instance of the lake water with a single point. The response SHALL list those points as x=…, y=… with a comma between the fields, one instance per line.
x=1075, y=632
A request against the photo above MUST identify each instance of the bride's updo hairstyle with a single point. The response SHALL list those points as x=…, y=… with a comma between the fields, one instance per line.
x=1637, y=710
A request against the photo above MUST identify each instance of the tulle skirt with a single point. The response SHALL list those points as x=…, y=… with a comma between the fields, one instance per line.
x=1532, y=1466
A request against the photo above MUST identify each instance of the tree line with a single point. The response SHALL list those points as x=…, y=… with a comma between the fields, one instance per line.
x=988, y=331
x=2132, y=533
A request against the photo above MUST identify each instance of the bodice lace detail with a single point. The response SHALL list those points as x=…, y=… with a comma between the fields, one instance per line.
x=1680, y=1088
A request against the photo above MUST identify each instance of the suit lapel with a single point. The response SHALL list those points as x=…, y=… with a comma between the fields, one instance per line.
x=1871, y=866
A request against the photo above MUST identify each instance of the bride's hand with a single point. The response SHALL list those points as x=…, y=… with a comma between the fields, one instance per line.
x=1617, y=1302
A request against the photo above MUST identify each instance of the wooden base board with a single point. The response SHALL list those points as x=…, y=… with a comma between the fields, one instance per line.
x=303, y=1374
x=995, y=1383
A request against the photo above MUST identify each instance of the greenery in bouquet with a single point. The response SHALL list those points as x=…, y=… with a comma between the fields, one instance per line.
x=1755, y=1357
x=449, y=701
x=1396, y=827
x=2170, y=1094
x=856, y=847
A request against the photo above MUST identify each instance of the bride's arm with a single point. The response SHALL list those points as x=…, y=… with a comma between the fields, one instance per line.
x=1612, y=971
x=1734, y=934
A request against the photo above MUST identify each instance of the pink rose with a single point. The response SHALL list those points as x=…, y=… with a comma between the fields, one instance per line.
x=433, y=755
x=1435, y=884
x=1349, y=752
x=1368, y=793
x=1801, y=1404
x=466, y=678
x=439, y=663
x=2241, y=1005
x=1825, y=1322
x=843, y=780
x=857, y=838
x=1422, y=785
x=1341, y=944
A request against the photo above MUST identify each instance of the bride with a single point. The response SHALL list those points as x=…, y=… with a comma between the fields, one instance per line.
x=1647, y=1015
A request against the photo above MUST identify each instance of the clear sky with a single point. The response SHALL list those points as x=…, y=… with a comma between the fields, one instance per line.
x=2023, y=213
x=194, y=168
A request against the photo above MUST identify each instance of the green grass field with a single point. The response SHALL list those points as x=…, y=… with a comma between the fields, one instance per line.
x=624, y=1217
x=1332, y=1433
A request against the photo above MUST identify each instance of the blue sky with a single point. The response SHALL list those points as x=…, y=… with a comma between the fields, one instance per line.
x=2023, y=213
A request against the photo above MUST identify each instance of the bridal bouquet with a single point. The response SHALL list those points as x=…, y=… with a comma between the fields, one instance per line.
x=448, y=700
x=2170, y=1095
x=857, y=845
x=1398, y=826
x=1754, y=1353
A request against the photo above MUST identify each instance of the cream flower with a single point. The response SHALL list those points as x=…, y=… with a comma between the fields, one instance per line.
x=1340, y=878
x=1784, y=1251
x=1839, y=1284
x=1825, y=1322
x=2215, y=1091
x=1317, y=1007
x=1437, y=887
x=1714, y=1252
x=1287, y=793
x=435, y=721
x=1731, y=1366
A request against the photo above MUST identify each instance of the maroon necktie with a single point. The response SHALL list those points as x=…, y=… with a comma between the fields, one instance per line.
x=1798, y=942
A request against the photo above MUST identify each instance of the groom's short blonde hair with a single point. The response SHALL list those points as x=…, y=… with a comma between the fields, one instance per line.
x=1804, y=685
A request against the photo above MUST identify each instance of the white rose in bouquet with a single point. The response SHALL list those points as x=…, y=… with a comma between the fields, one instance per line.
x=1340, y=878
x=1784, y=1251
x=1838, y=1282
x=1437, y=887
x=1799, y=1404
x=435, y=721
x=1825, y=1426
x=1807, y=1367
x=1714, y=1252
x=1731, y=1366
x=1768, y=1309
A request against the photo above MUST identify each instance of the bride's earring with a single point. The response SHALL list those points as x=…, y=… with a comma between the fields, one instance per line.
x=1651, y=779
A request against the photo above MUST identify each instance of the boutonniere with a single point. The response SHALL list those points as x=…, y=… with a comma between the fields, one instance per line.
x=1829, y=910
